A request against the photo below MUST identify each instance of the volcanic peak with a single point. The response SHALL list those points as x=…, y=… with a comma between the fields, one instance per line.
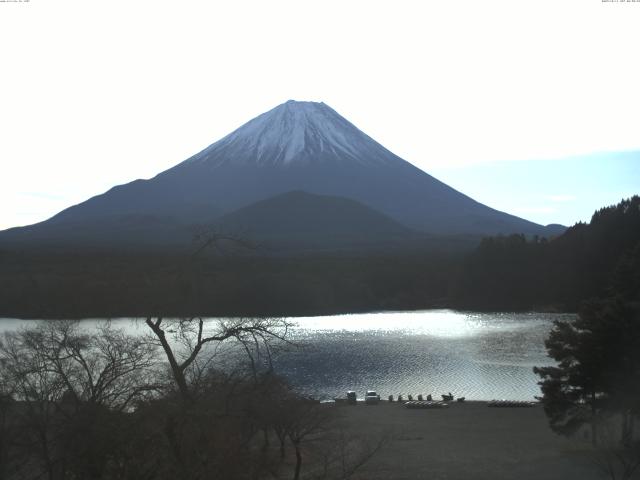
x=294, y=131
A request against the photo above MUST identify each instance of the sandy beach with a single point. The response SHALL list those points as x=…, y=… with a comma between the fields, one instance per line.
x=467, y=441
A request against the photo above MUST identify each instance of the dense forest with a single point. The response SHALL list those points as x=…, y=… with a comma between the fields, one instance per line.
x=97, y=285
x=502, y=273
x=588, y=260
x=592, y=389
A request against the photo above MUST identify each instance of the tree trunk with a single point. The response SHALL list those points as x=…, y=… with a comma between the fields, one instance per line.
x=281, y=438
x=171, y=434
x=627, y=428
x=178, y=373
x=594, y=432
x=296, y=475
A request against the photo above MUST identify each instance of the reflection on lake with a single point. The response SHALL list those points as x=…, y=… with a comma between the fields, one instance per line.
x=476, y=355
x=480, y=356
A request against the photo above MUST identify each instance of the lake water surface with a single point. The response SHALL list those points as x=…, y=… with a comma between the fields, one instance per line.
x=480, y=356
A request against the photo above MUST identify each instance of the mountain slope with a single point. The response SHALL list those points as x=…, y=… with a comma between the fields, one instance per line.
x=297, y=146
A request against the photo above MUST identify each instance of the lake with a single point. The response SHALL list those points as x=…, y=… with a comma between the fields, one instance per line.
x=480, y=356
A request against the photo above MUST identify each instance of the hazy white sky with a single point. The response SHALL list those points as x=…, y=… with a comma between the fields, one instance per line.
x=98, y=93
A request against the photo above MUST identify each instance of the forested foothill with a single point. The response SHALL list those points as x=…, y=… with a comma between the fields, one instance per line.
x=505, y=273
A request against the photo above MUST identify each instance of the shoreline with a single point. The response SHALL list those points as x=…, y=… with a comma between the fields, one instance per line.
x=311, y=314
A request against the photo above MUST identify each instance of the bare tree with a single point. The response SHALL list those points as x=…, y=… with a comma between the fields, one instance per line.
x=344, y=453
x=183, y=340
x=221, y=243
x=188, y=336
x=6, y=433
x=65, y=381
x=306, y=419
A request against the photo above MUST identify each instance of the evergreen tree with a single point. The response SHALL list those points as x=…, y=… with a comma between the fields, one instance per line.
x=598, y=371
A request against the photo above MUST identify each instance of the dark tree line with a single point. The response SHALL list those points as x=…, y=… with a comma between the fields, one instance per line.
x=503, y=273
x=588, y=260
x=84, y=284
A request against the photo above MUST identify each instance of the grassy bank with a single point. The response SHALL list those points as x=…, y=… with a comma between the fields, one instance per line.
x=466, y=441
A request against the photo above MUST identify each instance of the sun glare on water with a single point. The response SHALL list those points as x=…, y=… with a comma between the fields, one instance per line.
x=435, y=323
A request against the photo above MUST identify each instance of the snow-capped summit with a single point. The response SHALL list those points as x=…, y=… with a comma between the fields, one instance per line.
x=295, y=132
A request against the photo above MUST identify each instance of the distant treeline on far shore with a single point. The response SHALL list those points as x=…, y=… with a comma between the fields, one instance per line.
x=501, y=273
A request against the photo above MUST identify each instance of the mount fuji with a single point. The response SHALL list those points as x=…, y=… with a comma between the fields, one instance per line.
x=302, y=147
